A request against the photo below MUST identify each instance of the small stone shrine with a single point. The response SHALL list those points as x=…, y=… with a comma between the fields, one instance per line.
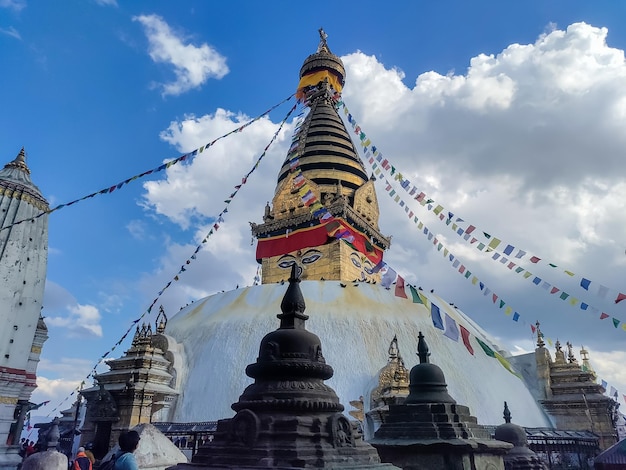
x=520, y=457
x=288, y=418
x=431, y=431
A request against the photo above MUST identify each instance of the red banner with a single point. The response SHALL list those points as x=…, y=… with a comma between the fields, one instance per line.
x=297, y=240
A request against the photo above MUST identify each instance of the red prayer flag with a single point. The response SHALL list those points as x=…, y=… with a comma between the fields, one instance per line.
x=554, y=290
x=620, y=297
x=533, y=328
x=466, y=340
x=603, y=316
x=535, y=260
x=400, y=292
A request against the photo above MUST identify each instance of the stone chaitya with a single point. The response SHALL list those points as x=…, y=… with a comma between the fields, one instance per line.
x=520, y=457
x=431, y=431
x=288, y=418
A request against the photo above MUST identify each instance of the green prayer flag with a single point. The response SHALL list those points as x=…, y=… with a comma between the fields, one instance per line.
x=615, y=322
x=488, y=351
x=415, y=294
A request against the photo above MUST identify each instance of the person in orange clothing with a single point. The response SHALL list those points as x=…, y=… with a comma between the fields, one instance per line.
x=82, y=462
x=89, y=452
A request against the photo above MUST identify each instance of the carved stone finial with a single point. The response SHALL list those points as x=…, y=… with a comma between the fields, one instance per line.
x=323, y=44
x=292, y=305
x=557, y=345
x=540, y=343
x=393, y=349
x=570, y=354
x=161, y=321
x=507, y=413
x=422, y=349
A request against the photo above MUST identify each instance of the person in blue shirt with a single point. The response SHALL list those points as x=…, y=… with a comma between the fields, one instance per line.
x=124, y=458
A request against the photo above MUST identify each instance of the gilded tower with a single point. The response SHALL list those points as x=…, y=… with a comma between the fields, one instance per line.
x=324, y=214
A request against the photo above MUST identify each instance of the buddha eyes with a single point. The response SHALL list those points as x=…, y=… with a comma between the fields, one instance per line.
x=286, y=263
x=308, y=257
x=311, y=257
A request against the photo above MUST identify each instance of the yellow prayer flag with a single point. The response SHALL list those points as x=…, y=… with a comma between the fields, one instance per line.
x=527, y=274
x=573, y=301
x=397, y=198
x=494, y=243
x=445, y=252
x=508, y=310
x=569, y=273
x=438, y=209
x=474, y=280
x=420, y=226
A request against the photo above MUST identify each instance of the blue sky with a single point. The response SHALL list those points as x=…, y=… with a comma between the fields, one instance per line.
x=510, y=114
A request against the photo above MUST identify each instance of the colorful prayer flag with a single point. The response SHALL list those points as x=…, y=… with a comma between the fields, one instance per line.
x=436, y=316
x=452, y=331
x=466, y=341
x=400, y=292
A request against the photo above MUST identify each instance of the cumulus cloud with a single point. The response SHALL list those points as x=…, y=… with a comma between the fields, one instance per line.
x=193, y=65
x=526, y=144
x=62, y=310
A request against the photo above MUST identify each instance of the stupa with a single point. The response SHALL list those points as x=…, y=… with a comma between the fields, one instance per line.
x=520, y=457
x=431, y=430
x=349, y=308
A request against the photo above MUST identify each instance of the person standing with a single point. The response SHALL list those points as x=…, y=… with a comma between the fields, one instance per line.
x=82, y=462
x=89, y=453
x=124, y=458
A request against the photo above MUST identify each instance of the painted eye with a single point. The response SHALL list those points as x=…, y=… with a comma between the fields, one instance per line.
x=312, y=258
x=356, y=262
x=367, y=267
x=286, y=264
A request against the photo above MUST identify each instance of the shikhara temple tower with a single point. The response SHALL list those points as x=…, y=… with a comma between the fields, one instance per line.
x=23, y=263
x=323, y=197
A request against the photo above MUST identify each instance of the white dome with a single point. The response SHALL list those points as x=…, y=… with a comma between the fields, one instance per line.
x=221, y=336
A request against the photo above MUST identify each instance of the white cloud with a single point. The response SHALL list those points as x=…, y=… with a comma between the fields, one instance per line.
x=11, y=31
x=62, y=310
x=527, y=145
x=193, y=65
x=15, y=5
x=106, y=3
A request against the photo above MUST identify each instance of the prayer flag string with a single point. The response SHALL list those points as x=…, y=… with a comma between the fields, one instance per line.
x=461, y=227
x=373, y=156
x=185, y=157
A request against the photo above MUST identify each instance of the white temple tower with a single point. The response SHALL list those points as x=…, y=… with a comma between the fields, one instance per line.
x=23, y=263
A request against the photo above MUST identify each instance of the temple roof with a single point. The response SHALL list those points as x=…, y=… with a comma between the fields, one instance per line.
x=15, y=176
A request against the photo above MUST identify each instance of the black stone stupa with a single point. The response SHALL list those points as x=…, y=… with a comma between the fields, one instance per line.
x=431, y=431
x=288, y=418
x=520, y=457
